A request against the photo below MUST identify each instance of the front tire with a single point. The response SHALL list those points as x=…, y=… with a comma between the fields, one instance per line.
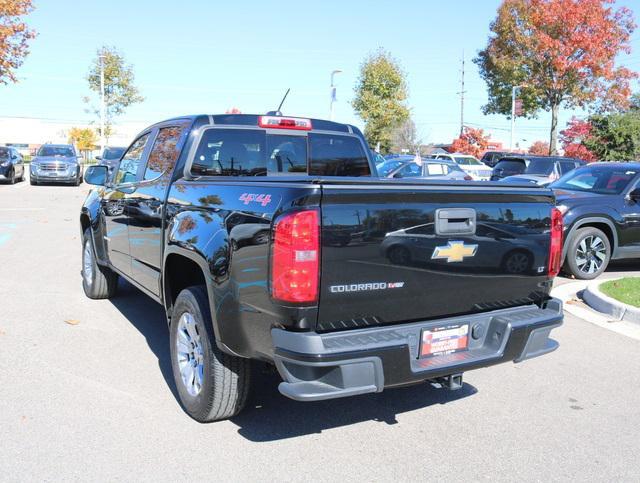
x=212, y=385
x=98, y=282
x=12, y=177
x=588, y=253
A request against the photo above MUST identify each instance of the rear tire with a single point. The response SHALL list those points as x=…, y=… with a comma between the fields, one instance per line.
x=212, y=385
x=98, y=282
x=588, y=253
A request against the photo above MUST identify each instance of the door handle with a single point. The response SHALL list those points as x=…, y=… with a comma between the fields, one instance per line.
x=455, y=221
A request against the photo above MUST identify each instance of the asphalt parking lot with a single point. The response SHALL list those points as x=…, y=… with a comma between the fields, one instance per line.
x=86, y=392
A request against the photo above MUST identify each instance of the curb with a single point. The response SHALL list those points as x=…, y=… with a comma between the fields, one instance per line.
x=568, y=293
x=608, y=305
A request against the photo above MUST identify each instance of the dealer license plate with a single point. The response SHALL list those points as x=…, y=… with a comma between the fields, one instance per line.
x=438, y=341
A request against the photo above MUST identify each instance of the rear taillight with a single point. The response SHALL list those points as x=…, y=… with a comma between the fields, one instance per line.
x=555, y=248
x=295, y=257
x=279, y=122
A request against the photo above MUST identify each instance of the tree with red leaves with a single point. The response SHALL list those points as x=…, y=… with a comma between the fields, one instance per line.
x=572, y=138
x=560, y=53
x=539, y=148
x=14, y=37
x=471, y=141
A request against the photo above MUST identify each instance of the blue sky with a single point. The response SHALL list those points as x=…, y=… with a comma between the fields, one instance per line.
x=207, y=56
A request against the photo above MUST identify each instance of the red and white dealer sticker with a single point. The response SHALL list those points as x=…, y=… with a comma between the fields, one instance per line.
x=444, y=340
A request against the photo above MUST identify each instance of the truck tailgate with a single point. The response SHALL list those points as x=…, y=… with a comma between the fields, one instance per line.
x=405, y=252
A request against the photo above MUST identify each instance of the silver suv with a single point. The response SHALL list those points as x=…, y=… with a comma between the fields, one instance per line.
x=56, y=163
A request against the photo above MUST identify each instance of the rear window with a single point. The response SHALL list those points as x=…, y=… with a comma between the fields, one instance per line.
x=540, y=167
x=231, y=152
x=511, y=165
x=249, y=152
x=336, y=155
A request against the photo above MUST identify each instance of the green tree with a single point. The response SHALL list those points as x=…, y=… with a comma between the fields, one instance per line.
x=561, y=53
x=85, y=139
x=380, y=96
x=14, y=37
x=120, y=91
x=615, y=137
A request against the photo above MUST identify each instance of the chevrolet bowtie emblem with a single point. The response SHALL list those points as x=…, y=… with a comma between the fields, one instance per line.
x=454, y=251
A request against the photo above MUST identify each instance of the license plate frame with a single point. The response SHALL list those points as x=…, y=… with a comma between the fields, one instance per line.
x=443, y=340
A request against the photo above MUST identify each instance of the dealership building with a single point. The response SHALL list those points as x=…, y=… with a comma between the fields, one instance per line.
x=27, y=134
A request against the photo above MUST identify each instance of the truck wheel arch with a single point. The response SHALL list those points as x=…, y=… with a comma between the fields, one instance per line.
x=182, y=269
x=602, y=223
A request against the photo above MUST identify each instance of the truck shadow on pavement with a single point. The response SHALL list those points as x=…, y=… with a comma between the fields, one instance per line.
x=148, y=317
x=269, y=416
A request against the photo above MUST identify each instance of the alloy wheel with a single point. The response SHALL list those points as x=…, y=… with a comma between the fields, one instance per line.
x=591, y=254
x=190, y=354
x=87, y=263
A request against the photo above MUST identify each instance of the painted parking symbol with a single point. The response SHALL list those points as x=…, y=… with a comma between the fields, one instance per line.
x=6, y=232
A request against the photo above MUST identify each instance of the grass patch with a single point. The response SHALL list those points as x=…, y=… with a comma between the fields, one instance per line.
x=625, y=290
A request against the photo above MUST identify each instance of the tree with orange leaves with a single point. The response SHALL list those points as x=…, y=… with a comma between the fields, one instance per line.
x=560, y=53
x=14, y=37
x=471, y=141
x=539, y=148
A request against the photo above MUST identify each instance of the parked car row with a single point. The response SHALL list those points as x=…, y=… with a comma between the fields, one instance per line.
x=540, y=170
x=53, y=163
x=600, y=204
x=507, y=167
x=416, y=167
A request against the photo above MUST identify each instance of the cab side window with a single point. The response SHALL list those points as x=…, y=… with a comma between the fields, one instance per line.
x=164, y=153
x=128, y=169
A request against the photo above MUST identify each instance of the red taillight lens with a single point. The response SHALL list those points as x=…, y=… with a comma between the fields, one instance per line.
x=295, y=257
x=278, y=122
x=555, y=248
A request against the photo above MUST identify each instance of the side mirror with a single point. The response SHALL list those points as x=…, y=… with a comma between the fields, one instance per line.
x=96, y=175
x=397, y=175
x=634, y=195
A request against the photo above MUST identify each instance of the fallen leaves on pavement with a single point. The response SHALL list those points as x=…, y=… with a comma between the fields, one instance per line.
x=72, y=321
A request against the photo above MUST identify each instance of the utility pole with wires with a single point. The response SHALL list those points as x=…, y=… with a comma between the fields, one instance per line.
x=462, y=93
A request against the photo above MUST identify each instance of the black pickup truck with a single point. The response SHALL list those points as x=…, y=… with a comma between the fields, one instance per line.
x=271, y=238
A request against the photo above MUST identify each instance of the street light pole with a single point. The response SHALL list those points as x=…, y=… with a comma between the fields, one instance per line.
x=101, y=103
x=333, y=94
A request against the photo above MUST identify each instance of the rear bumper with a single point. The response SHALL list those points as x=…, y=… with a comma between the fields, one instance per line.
x=325, y=366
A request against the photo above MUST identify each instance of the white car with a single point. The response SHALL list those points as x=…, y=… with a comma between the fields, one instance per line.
x=471, y=165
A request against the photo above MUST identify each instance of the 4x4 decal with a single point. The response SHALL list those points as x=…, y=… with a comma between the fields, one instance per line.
x=263, y=199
